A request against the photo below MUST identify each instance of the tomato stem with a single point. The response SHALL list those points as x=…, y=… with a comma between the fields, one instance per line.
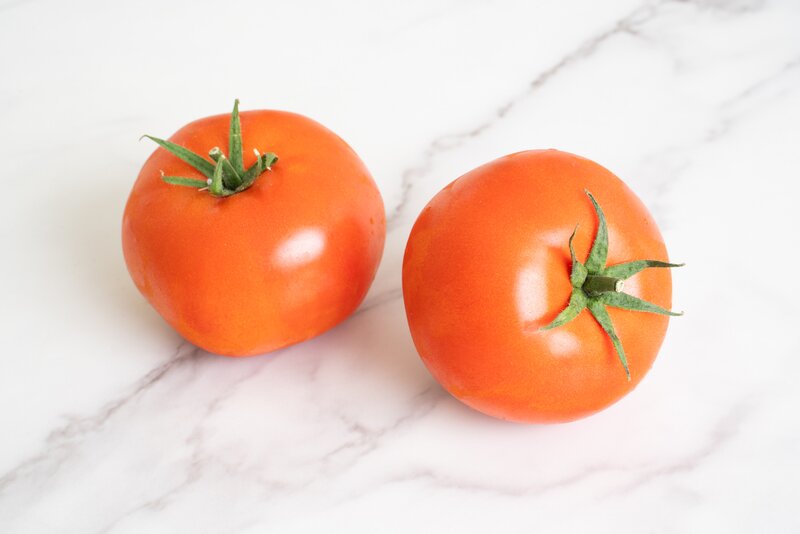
x=225, y=176
x=596, y=286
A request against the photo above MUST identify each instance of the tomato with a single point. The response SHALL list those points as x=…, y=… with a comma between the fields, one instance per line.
x=498, y=309
x=247, y=270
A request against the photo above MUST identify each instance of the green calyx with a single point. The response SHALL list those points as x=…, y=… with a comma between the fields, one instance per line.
x=225, y=176
x=595, y=286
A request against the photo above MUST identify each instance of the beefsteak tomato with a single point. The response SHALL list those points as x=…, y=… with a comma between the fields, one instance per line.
x=255, y=253
x=520, y=314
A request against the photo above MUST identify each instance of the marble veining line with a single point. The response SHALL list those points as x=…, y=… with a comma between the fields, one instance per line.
x=726, y=430
x=155, y=505
x=736, y=7
x=367, y=440
x=758, y=86
x=6, y=6
x=445, y=143
x=729, y=120
x=197, y=463
x=66, y=438
x=421, y=20
x=719, y=128
x=445, y=482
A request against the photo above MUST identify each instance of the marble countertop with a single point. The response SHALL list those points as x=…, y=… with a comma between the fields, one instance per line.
x=112, y=424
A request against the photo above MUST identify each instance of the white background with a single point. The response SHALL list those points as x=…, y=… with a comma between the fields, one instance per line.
x=109, y=423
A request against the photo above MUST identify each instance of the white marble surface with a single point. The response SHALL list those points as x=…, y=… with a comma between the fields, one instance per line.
x=109, y=423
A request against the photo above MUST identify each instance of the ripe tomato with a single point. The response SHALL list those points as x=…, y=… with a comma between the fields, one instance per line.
x=487, y=270
x=269, y=265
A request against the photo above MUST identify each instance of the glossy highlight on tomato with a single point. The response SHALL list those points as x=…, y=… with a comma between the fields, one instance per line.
x=487, y=268
x=276, y=263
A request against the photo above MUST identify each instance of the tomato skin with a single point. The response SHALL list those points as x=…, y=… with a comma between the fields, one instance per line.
x=487, y=264
x=274, y=265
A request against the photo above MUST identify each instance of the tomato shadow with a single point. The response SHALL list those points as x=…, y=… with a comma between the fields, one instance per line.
x=370, y=359
x=89, y=225
x=375, y=347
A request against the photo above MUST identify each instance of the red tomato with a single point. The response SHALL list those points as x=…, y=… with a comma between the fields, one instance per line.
x=268, y=266
x=488, y=267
